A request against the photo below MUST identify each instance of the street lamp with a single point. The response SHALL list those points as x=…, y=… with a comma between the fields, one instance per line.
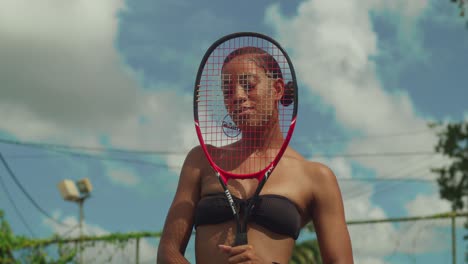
x=76, y=192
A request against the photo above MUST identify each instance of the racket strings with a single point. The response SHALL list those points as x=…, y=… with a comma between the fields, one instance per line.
x=238, y=109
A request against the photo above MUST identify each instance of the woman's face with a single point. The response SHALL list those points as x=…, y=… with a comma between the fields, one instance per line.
x=250, y=96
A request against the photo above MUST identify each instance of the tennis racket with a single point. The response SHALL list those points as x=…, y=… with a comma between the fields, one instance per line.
x=245, y=106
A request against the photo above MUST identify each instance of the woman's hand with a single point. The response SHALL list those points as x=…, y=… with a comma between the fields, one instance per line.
x=241, y=254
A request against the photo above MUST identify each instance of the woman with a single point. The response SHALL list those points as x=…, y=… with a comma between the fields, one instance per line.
x=297, y=192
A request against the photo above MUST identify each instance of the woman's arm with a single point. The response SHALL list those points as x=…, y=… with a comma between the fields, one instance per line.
x=179, y=221
x=329, y=219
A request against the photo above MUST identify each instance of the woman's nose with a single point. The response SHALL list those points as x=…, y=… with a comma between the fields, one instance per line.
x=240, y=95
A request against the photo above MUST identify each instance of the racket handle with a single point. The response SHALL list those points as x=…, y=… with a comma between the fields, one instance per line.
x=241, y=239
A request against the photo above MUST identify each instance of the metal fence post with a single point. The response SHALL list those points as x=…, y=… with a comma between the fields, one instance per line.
x=137, y=261
x=454, y=239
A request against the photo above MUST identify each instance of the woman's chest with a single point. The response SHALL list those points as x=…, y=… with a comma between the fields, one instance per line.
x=288, y=182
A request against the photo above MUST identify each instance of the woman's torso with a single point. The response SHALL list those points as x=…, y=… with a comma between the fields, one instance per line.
x=288, y=181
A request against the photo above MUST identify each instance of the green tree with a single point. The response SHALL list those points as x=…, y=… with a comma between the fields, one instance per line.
x=6, y=241
x=462, y=8
x=306, y=252
x=453, y=179
x=10, y=243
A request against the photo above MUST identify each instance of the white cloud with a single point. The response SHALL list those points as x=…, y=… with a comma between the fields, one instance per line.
x=372, y=242
x=331, y=45
x=59, y=62
x=425, y=204
x=407, y=9
x=123, y=175
x=437, y=230
x=168, y=127
x=63, y=81
x=378, y=239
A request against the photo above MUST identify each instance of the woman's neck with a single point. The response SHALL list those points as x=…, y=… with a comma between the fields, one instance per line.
x=262, y=138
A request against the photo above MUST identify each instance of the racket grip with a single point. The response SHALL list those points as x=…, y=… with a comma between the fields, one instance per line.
x=241, y=239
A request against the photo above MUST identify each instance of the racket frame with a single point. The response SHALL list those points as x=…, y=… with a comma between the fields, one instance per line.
x=262, y=175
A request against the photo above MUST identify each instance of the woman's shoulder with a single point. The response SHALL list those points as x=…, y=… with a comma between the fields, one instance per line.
x=195, y=151
x=195, y=158
x=322, y=180
x=294, y=154
x=319, y=169
x=314, y=170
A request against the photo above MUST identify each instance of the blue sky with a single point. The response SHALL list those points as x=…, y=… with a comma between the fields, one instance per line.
x=117, y=74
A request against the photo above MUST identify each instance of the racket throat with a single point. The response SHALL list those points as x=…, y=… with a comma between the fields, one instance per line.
x=241, y=232
x=241, y=239
x=231, y=202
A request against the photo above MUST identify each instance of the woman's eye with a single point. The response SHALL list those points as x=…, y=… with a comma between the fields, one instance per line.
x=247, y=81
x=227, y=89
x=248, y=87
x=226, y=84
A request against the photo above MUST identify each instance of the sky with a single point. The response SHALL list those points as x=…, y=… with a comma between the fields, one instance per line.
x=82, y=79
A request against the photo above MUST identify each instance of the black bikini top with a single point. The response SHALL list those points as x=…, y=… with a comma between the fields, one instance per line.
x=273, y=212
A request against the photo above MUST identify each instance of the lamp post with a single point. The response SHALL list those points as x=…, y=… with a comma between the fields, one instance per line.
x=77, y=192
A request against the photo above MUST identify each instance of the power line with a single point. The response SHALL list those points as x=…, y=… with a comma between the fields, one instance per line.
x=18, y=212
x=177, y=167
x=65, y=149
x=356, y=192
x=391, y=185
x=67, y=232
x=163, y=165
x=374, y=136
x=377, y=154
x=96, y=157
x=387, y=179
x=181, y=152
x=87, y=148
x=86, y=156
x=18, y=183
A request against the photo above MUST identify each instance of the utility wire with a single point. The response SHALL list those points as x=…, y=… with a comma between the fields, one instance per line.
x=409, y=179
x=162, y=165
x=70, y=147
x=391, y=185
x=107, y=158
x=374, y=136
x=18, y=183
x=65, y=149
x=183, y=152
x=377, y=154
x=137, y=161
x=356, y=192
x=89, y=156
x=67, y=232
x=18, y=212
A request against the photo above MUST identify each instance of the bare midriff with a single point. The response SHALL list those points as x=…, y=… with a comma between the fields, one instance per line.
x=269, y=246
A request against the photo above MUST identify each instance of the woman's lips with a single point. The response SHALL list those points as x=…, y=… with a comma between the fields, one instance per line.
x=244, y=111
